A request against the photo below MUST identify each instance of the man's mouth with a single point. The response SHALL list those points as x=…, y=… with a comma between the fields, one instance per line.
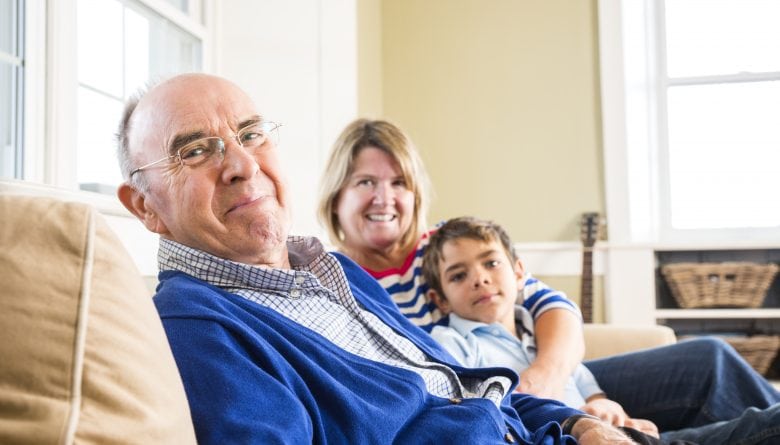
x=246, y=201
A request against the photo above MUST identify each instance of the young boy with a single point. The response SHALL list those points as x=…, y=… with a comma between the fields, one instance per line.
x=475, y=277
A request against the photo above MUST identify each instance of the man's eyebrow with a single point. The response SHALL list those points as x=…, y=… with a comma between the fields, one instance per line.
x=247, y=122
x=183, y=139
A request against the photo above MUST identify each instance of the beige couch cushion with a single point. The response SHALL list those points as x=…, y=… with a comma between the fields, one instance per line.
x=603, y=340
x=83, y=356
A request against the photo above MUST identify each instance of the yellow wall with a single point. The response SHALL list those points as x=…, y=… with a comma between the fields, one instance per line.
x=369, y=29
x=502, y=99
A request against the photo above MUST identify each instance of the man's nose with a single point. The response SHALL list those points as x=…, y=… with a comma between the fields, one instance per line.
x=238, y=163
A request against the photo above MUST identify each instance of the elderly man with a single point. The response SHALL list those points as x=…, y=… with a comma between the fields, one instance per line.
x=276, y=340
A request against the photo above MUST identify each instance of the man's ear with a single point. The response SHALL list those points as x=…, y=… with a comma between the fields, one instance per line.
x=440, y=300
x=135, y=202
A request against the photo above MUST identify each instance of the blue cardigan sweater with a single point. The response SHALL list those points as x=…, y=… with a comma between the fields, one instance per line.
x=253, y=376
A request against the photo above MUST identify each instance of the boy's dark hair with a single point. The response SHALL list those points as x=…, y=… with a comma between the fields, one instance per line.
x=459, y=228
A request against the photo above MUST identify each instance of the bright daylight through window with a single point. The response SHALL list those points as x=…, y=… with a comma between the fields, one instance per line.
x=722, y=108
x=11, y=82
x=122, y=46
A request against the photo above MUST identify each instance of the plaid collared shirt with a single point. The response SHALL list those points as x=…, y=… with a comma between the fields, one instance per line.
x=315, y=293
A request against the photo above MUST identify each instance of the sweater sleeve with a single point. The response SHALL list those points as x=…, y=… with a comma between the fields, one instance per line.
x=232, y=399
x=537, y=413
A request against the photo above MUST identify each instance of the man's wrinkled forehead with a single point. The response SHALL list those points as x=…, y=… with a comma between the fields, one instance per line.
x=190, y=105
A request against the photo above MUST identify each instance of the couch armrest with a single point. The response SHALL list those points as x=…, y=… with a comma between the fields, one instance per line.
x=603, y=340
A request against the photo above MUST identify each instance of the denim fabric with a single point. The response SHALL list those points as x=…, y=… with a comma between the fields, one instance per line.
x=688, y=384
x=753, y=427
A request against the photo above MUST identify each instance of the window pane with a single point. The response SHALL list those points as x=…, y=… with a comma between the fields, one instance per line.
x=144, y=47
x=156, y=48
x=181, y=5
x=100, y=45
x=8, y=33
x=707, y=37
x=137, y=51
x=7, y=121
x=10, y=89
x=98, y=119
x=724, y=155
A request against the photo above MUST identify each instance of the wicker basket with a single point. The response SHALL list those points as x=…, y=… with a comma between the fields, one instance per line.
x=737, y=284
x=759, y=350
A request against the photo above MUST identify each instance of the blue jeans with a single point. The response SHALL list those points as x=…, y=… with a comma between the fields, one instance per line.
x=689, y=384
x=754, y=427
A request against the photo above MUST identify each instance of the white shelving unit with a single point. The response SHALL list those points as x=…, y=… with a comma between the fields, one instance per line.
x=757, y=313
x=718, y=321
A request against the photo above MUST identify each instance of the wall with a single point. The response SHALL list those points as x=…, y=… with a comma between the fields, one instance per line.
x=502, y=99
x=369, y=78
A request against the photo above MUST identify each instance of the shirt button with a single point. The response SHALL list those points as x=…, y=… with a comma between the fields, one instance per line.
x=509, y=438
x=456, y=400
x=299, y=279
x=295, y=293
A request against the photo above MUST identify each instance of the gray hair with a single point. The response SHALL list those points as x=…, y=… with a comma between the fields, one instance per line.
x=126, y=161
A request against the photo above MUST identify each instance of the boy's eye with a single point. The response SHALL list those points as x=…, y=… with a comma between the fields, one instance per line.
x=492, y=263
x=460, y=276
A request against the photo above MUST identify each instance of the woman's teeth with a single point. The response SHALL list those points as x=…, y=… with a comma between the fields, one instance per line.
x=381, y=218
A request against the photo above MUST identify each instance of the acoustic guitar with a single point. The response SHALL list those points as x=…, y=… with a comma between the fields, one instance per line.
x=589, y=232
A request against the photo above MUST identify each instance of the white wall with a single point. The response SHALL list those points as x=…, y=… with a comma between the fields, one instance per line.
x=298, y=60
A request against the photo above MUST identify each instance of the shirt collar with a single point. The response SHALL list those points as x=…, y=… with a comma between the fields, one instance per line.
x=304, y=254
x=463, y=326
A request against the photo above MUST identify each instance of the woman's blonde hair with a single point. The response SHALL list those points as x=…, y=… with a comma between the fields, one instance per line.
x=387, y=137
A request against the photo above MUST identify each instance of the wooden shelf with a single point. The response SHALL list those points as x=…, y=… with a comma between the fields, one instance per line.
x=717, y=313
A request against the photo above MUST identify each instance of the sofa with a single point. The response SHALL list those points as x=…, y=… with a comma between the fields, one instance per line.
x=84, y=358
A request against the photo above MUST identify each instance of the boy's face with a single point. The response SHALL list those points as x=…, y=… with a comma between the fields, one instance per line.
x=479, y=281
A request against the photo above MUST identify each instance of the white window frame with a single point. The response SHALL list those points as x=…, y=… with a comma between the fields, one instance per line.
x=51, y=82
x=633, y=87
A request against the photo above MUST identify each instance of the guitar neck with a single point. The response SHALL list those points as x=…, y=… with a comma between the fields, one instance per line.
x=586, y=285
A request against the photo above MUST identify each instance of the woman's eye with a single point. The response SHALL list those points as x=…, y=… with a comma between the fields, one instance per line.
x=399, y=183
x=365, y=182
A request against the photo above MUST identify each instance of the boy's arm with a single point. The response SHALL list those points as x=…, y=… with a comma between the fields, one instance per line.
x=560, y=348
x=559, y=339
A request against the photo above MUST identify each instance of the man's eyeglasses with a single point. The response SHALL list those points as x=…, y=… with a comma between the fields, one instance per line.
x=211, y=149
